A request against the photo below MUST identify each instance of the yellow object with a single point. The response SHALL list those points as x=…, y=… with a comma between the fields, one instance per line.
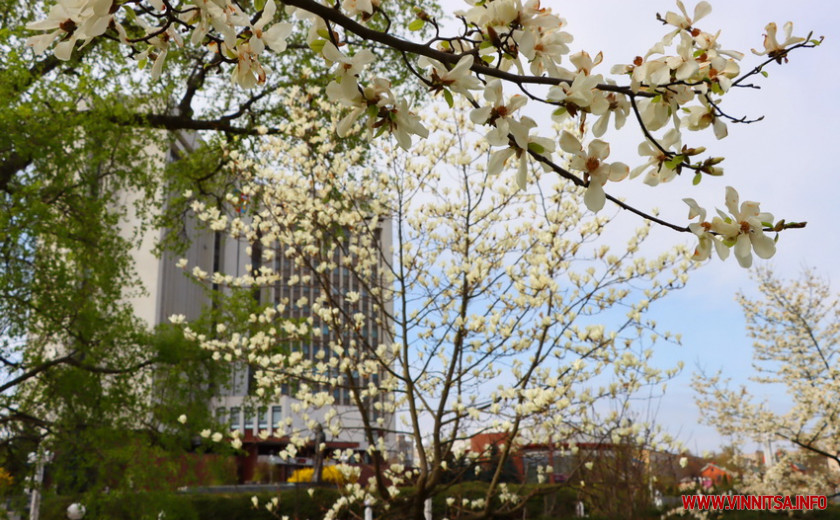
x=328, y=474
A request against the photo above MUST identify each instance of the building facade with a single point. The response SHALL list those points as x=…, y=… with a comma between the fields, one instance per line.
x=264, y=423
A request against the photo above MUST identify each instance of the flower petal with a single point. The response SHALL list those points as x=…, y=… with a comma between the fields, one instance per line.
x=594, y=198
x=743, y=250
x=569, y=143
x=763, y=245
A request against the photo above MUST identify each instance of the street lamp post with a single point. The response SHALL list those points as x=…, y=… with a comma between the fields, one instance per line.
x=39, y=458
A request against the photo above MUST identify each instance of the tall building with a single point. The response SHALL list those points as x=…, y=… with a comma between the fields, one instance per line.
x=236, y=404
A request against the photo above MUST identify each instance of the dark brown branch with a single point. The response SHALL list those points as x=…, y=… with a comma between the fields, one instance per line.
x=422, y=49
x=184, y=122
x=623, y=205
x=10, y=167
x=110, y=370
x=807, y=44
x=35, y=371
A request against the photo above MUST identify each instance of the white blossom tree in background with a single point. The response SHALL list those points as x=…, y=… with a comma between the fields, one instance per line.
x=505, y=54
x=505, y=312
x=795, y=326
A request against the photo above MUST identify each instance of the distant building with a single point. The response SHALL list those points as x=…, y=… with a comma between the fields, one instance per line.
x=169, y=292
x=716, y=475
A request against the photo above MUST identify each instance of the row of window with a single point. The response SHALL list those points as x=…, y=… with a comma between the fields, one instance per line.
x=245, y=418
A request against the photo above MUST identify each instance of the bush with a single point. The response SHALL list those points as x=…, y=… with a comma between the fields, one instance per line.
x=296, y=503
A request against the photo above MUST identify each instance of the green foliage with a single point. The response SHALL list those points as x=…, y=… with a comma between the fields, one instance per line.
x=83, y=148
x=296, y=503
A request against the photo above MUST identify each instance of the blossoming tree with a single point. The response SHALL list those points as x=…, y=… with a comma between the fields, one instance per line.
x=795, y=328
x=503, y=312
x=505, y=54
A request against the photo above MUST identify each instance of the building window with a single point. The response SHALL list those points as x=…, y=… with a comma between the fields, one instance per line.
x=221, y=414
x=234, y=418
x=249, y=417
x=262, y=417
x=276, y=416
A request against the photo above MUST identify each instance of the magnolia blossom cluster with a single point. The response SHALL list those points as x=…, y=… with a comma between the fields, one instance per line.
x=743, y=230
x=677, y=85
x=493, y=299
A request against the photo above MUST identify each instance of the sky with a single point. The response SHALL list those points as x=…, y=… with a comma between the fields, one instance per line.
x=785, y=162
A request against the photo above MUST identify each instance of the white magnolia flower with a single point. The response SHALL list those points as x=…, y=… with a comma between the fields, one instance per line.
x=619, y=108
x=685, y=64
x=657, y=111
x=275, y=37
x=522, y=143
x=581, y=94
x=378, y=94
x=248, y=71
x=406, y=123
x=772, y=47
x=701, y=116
x=544, y=51
x=591, y=163
x=656, y=167
x=745, y=228
x=348, y=68
x=682, y=20
x=458, y=79
x=500, y=114
x=703, y=231
x=359, y=7
x=182, y=419
x=70, y=21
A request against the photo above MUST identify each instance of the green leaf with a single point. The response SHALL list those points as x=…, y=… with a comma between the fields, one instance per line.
x=416, y=25
x=764, y=73
x=767, y=224
x=536, y=148
x=372, y=110
x=488, y=59
x=485, y=44
x=142, y=63
x=259, y=5
x=656, y=99
x=697, y=178
x=716, y=88
x=447, y=95
x=559, y=112
x=317, y=45
x=674, y=161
